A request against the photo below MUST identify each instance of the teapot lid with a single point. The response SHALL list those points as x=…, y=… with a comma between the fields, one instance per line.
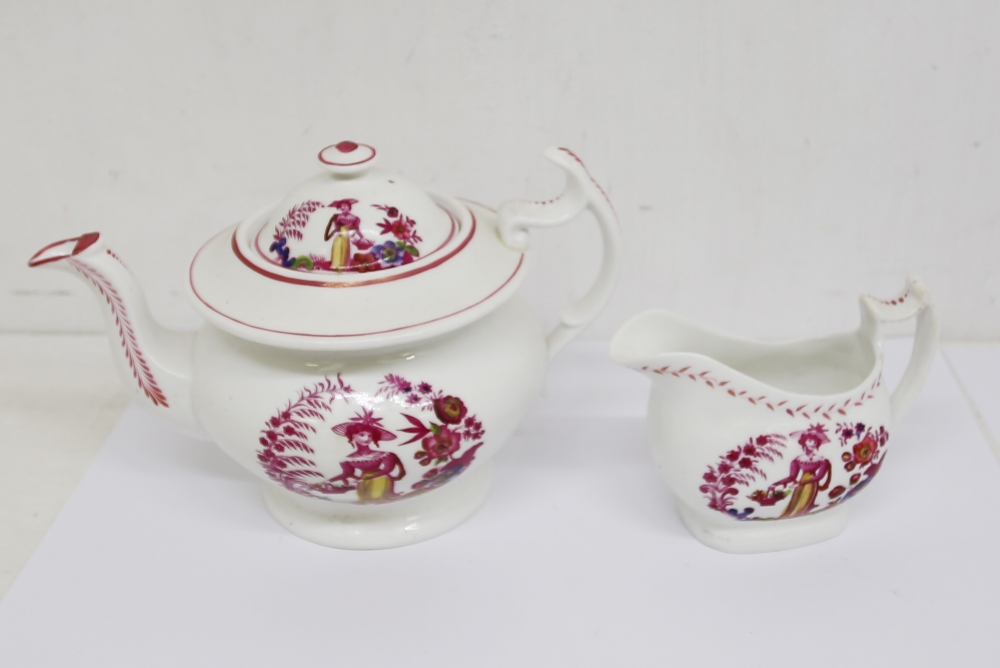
x=354, y=258
x=352, y=220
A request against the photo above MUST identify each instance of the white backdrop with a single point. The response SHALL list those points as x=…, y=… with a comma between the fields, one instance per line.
x=768, y=160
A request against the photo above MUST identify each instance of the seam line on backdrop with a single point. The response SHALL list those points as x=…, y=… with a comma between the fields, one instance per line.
x=983, y=427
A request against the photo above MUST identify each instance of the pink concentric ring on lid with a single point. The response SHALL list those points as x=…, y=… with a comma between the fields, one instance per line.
x=352, y=257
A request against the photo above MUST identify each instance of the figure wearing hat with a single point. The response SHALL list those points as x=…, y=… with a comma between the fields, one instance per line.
x=343, y=228
x=372, y=472
x=809, y=472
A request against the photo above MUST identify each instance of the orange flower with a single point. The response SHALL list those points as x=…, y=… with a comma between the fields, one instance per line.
x=865, y=450
x=362, y=262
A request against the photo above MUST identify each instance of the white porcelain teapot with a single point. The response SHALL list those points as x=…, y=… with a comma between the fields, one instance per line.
x=365, y=353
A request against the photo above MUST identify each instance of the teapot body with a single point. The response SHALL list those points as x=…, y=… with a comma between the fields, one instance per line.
x=341, y=438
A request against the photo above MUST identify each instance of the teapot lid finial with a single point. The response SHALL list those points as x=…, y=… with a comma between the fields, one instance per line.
x=347, y=159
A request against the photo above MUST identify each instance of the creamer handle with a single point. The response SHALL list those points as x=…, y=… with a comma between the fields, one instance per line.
x=581, y=192
x=916, y=300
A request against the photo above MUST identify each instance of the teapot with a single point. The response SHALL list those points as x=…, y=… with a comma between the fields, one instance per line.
x=364, y=351
x=763, y=443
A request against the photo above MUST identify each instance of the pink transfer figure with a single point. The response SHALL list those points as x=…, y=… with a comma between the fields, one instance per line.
x=809, y=472
x=372, y=472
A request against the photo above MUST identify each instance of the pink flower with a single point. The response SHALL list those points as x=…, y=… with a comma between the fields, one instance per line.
x=398, y=383
x=438, y=446
x=403, y=228
x=450, y=410
x=865, y=450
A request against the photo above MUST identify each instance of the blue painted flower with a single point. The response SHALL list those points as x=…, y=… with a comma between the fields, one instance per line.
x=740, y=514
x=389, y=253
x=281, y=248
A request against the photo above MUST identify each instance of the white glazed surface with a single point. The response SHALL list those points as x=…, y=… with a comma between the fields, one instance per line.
x=494, y=366
x=369, y=526
x=746, y=433
x=253, y=306
x=383, y=391
x=694, y=425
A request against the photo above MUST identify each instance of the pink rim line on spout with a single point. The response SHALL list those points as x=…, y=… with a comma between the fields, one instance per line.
x=50, y=254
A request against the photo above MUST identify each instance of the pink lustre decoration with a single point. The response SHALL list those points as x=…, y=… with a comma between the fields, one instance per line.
x=133, y=353
x=806, y=489
x=350, y=249
x=807, y=410
x=380, y=467
x=351, y=263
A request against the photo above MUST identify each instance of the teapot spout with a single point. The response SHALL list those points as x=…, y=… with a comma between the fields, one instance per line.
x=153, y=361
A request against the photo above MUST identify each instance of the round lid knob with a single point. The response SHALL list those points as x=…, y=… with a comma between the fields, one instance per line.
x=347, y=159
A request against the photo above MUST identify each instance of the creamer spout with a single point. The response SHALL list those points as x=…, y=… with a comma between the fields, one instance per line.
x=652, y=340
x=153, y=361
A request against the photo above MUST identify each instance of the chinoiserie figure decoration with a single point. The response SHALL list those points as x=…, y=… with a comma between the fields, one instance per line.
x=809, y=472
x=340, y=228
x=763, y=444
x=365, y=351
x=369, y=470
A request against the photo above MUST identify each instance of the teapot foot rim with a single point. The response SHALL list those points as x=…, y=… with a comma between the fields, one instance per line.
x=399, y=523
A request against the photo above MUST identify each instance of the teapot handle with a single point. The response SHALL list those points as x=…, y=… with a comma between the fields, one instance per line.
x=581, y=192
x=916, y=300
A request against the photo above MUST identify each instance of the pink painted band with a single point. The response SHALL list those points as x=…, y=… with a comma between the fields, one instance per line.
x=424, y=266
x=82, y=243
x=520, y=263
x=264, y=256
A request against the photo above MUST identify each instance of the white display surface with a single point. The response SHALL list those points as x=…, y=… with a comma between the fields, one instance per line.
x=166, y=556
x=978, y=368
